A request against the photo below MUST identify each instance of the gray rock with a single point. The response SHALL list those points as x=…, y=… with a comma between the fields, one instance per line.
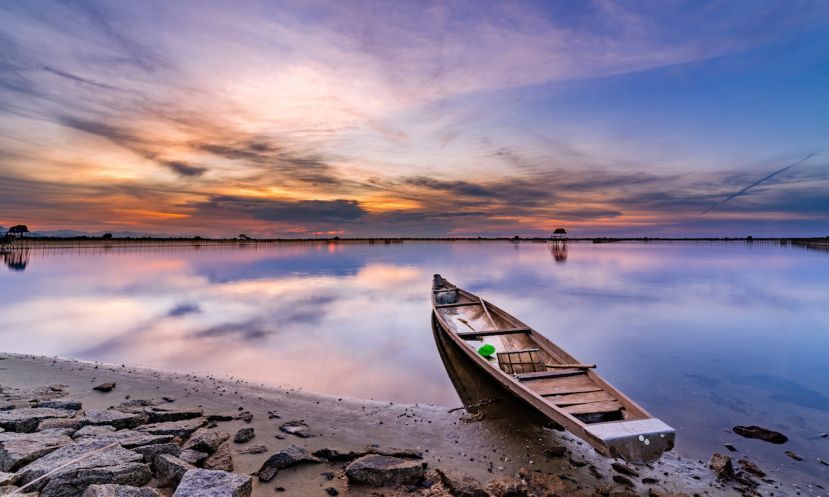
x=207, y=483
x=26, y=420
x=72, y=405
x=244, y=435
x=253, y=449
x=8, y=479
x=129, y=439
x=19, y=449
x=73, y=483
x=507, y=486
x=102, y=455
x=113, y=417
x=104, y=387
x=193, y=457
x=150, y=452
x=167, y=414
x=169, y=470
x=220, y=459
x=119, y=491
x=298, y=428
x=461, y=484
x=721, y=466
x=205, y=440
x=62, y=423
x=402, y=453
x=183, y=428
x=381, y=471
x=335, y=455
x=290, y=456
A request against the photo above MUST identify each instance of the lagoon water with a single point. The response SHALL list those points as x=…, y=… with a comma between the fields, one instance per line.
x=703, y=335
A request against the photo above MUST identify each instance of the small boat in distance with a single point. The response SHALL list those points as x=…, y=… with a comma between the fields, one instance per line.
x=549, y=379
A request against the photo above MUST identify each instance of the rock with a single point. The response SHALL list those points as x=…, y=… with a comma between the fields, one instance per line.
x=823, y=435
x=164, y=414
x=751, y=468
x=821, y=461
x=105, y=387
x=129, y=439
x=168, y=398
x=61, y=423
x=220, y=459
x=290, y=456
x=402, y=453
x=150, y=452
x=71, y=405
x=208, y=483
x=379, y=471
x=793, y=455
x=73, y=483
x=245, y=416
x=194, y=457
x=134, y=405
x=335, y=455
x=183, y=428
x=26, y=420
x=244, y=435
x=99, y=455
x=253, y=449
x=624, y=469
x=19, y=449
x=721, y=466
x=624, y=480
x=220, y=417
x=298, y=428
x=507, y=486
x=332, y=491
x=461, y=484
x=8, y=479
x=204, y=440
x=111, y=490
x=115, y=418
x=761, y=434
x=169, y=470
x=730, y=447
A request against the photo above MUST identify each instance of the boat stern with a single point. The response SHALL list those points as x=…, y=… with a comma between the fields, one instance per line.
x=636, y=441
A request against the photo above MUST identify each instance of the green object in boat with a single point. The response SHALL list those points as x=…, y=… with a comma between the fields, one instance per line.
x=486, y=350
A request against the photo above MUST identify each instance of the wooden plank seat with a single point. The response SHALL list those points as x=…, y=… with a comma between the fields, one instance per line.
x=457, y=304
x=594, y=407
x=578, y=383
x=484, y=333
x=580, y=398
x=547, y=374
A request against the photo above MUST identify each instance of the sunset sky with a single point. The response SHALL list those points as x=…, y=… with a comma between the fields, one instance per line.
x=457, y=118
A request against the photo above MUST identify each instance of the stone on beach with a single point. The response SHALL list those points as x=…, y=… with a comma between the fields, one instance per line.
x=721, y=466
x=290, y=456
x=151, y=452
x=624, y=469
x=19, y=449
x=104, y=387
x=169, y=470
x=183, y=428
x=71, y=405
x=507, y=486
x=761, y=433
x=129, y=439
x=297, y=427
x=749, y=467
x=544, y=485
x=209, y=483
x=253, y=449
x=165, y=415
x=73, y=483
x=114, y=418
x=244, y=435
x=402, y=453
x=110, y=490
x=194, y=457
x=99, y=454
x=461, y=484
x=8, y=478
x=380, y=471
x=221, y=459
x=62, y=423
x=27, y=419
x=205, y=440
x=335, y=455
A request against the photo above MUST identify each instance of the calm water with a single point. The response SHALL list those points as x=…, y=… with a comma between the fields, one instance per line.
x=705, y=336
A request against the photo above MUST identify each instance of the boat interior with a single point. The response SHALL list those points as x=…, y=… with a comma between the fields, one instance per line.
x=538, y=364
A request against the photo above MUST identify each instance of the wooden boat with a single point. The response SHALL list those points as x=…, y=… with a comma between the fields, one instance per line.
x=549, y=379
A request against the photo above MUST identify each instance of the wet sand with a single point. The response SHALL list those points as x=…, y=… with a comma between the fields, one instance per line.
x=486, y=443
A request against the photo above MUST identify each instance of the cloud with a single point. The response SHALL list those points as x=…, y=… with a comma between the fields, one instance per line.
x=301, y=211
x=184, y=169
x=184, y=309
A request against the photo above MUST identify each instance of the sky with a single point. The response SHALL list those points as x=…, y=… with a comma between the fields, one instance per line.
x=455, y=118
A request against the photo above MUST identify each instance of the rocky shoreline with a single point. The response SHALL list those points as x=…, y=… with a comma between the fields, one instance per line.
x=72, y=429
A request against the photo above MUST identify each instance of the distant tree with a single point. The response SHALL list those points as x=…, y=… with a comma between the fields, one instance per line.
x=516, y=237
x=559, y=233
x=749, y=238
x=244, y=237
x=19, y=230
x=107, y=236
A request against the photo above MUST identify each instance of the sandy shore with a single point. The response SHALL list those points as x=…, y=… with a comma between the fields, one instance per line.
x=485, y=443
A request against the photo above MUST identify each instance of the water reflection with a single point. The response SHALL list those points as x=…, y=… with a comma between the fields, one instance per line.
x=15, y=259
x=704, y=336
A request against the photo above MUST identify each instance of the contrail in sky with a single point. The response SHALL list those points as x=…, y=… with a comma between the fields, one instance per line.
x=756, y=183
